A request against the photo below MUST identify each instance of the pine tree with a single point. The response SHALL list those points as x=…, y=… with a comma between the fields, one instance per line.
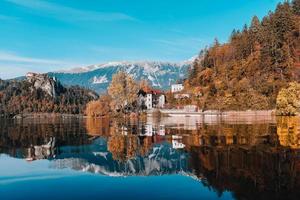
x=296, y=6
x=254, y=31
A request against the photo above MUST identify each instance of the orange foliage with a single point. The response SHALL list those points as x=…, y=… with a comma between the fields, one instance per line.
x=99, y=107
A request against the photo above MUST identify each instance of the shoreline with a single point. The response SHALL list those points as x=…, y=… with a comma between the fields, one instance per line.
x=45, y=116
x=153, y=113
x=181, y=112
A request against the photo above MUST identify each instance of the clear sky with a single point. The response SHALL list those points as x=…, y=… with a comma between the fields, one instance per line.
x=43, y=36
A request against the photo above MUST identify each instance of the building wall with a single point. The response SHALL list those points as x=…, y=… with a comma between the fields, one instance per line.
x=177, y=88
x=148, y=102
x=151, y=101
x=161, y=101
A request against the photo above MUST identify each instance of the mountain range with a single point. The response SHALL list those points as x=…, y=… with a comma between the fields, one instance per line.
x=98, y=77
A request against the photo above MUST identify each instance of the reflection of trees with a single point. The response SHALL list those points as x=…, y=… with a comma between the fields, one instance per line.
x=247, y=159
x=244, y=158
x=146, y=145
x=116, y=145
x=132, y=146
x=288, y=131
x=256, y=173
x=98, y=126
x=246, y=135
x=18, y=138
x=127, y=147
x=125, y=141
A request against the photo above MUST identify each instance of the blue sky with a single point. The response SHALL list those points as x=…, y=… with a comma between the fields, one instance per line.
x=43, y=36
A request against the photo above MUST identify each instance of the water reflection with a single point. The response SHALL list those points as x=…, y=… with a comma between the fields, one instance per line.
x=288, y=131
x=257, y=159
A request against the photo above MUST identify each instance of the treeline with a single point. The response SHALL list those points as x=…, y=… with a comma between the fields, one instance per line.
x=20, y=97
x=248, y=71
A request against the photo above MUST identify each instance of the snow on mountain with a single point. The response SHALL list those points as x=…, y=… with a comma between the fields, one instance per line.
x=162, y=159
x=100, y=79
x=148, y=66
x=97, y=77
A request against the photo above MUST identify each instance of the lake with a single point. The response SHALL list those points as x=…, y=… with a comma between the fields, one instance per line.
x=207, y=157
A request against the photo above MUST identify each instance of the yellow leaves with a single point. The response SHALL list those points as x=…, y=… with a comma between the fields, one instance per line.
x=288, y=100
x=99, y=107
x=144, y=85
x=116, y=145
x=219, y=84
x=287, y=131
x=123, y=90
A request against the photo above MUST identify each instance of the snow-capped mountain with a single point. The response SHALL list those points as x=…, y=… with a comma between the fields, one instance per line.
x=97, y=77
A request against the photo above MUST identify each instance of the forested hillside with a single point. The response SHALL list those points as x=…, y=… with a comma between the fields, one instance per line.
x=248, y=71
x=41, y=94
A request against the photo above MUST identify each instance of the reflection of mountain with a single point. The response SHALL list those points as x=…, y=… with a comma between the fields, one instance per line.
x=96, y=158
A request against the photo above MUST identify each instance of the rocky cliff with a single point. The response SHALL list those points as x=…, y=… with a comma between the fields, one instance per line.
x=43, y=82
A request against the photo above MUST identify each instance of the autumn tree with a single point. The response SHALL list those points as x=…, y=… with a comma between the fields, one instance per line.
x=296, y=6
x=98, y=108
x=288, y=100
x=144, y=84
x=248, y=71
x=20, y=97
x=117, y=146
x=123, y=92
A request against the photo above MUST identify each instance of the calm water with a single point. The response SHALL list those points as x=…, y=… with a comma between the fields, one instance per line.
x=168, y=158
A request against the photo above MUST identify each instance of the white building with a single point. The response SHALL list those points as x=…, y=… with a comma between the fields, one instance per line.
x=176, y=88
x=151, y=99
x=161, y=101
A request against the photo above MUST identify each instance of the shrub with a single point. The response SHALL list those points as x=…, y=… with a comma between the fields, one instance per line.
x=288, y=100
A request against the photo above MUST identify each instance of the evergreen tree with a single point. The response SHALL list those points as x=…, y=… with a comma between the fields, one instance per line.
x=296, y=6
x=254, y=30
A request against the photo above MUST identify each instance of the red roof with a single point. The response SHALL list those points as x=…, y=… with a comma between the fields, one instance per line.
x=152, y=91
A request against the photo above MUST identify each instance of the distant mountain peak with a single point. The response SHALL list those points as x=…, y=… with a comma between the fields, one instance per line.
x=145, y=64
x=160, y=74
